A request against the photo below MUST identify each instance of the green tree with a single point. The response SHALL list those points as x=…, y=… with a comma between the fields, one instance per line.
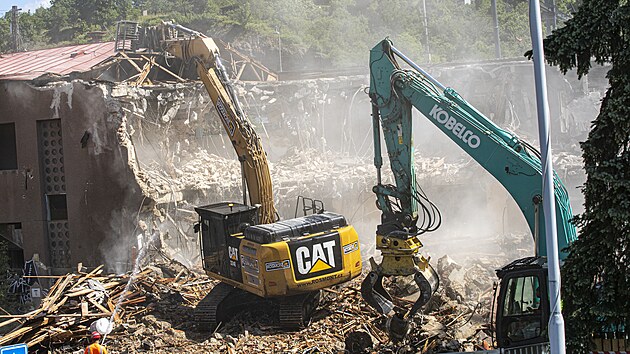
x=101, y=14
x=60, y=20
x=5, y=36
x=333, y=33
x=597, y=272
x=31, y=30
x=459, y=32
x=70, y=20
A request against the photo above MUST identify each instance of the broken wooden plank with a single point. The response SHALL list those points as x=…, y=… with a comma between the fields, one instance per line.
x=14, y=335
x=98, y=306
x=146, y=70
x=134, y=301
x=112, y=308
x=131, y=61
x=56, y=306
x=36, y=340
x=99, y=315
x=53, y=297
x=88, y=291
x=18, y=333
x=84, y=308
x=165, y=70
x=97, y=270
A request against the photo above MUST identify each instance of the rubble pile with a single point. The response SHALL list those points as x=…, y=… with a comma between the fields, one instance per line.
x=568, y=165
x=183, y=154
x=76, y=300
x=325, y=175
x=203, y=172
x=156, y=315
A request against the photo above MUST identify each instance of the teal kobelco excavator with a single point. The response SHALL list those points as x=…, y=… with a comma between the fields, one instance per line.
x=522, y=310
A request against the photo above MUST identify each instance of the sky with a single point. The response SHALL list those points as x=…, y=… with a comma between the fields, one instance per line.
x=25, y=5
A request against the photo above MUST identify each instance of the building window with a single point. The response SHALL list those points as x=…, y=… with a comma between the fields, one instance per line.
x=8, y=148
x=57, y=207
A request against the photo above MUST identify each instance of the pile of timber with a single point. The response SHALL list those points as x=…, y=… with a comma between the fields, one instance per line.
x=78, y=299
x=156, y=314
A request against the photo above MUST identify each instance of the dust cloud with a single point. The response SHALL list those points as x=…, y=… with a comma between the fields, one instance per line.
x=317, y=135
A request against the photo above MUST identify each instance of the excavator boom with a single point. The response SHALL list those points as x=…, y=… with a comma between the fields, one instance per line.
x=244, y=138
x=406, y=212
x=512, y=161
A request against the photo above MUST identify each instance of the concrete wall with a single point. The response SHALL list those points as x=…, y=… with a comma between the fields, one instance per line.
x=96, y=174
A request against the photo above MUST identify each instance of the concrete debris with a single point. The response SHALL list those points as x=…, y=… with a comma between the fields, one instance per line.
x=318, y=141
x=156, y=315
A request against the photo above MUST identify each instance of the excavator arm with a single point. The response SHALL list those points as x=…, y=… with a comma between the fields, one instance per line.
x=246, y=142
x=513, y=162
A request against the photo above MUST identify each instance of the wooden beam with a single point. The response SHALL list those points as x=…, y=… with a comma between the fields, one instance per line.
x=99, y=306
x=84, y=308
x=240, y=71
x=131, y=61
x=145, y=72
x=165, y=69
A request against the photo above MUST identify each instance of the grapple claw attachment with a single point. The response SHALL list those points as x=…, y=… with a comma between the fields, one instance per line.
x=428, y=282
x=374, y=293
x=377, y=297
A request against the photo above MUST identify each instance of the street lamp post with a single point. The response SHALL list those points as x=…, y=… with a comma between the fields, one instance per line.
x=279, y=47
x=497, y=39
x=426, y=30
x=556, y=321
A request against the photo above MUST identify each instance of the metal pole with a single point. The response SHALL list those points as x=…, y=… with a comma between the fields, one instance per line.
x=556, y=322
x=554, y=12
x=497, y=40
x=418, y=68
x=279, y=46
x=426, y=29
x=15, y=28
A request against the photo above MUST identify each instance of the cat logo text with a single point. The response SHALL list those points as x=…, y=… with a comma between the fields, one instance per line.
x=316, y=256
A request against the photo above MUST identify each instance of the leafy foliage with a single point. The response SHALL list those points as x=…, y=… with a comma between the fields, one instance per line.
x=333, y=33
x=597, y=272
x=5, y=37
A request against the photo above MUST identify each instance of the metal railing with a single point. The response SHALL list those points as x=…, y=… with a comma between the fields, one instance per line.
x=541, y=348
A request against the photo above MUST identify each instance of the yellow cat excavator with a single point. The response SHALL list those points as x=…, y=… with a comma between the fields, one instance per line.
x=255, y=256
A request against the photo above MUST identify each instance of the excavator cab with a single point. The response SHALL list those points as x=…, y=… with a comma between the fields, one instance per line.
x=218, y=223
x=522, y=311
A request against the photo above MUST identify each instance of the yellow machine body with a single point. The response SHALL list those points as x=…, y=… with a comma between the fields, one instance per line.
x=286, y=258
x=270, y=270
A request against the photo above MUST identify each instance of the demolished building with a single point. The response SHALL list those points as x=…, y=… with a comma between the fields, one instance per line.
x=103, y=147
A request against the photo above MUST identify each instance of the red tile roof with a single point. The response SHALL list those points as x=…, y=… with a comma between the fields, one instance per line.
x=63, y=60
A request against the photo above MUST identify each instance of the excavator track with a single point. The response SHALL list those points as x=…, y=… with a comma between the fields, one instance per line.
x=296, y=311
x=224, y=301
x=207, y=313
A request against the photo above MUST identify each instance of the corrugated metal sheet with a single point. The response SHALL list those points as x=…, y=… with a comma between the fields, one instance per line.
x=63, y=60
